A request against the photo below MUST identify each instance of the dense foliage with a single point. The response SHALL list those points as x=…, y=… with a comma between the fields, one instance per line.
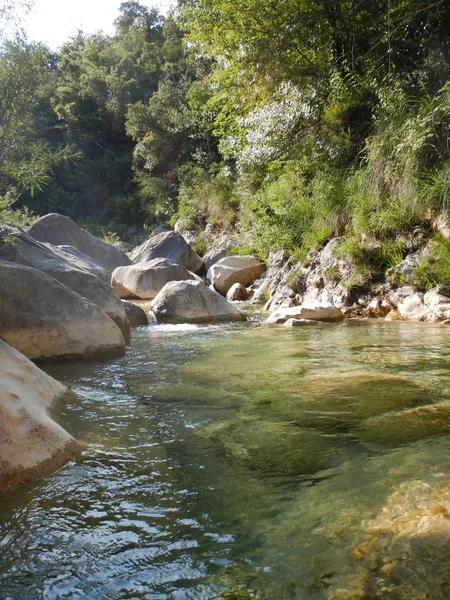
x=301, y=119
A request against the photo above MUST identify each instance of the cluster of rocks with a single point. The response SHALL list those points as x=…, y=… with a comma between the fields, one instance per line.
x=168, y=272
x=326, y=282
x=55, y=303
x=67, y=295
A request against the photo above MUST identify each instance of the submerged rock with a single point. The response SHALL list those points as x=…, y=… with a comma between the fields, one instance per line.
x=45, y=320
x=145, y=280
x=32, y=445
x=405, y=553
x=18, y=247
x=171, y=245
x=193, y=302
x=271, y=447
x=300, y=322
x=406, y=426
x=235, y=269
x=312, y=312
x=341, y=400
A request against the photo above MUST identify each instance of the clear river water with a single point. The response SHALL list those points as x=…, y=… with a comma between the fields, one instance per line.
x=246, y=461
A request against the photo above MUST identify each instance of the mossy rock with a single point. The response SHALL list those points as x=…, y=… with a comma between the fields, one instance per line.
x=406, y=426
x=275, y=448
x=341, y=400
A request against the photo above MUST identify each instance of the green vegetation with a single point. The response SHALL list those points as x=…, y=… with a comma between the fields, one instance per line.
x=301, y=120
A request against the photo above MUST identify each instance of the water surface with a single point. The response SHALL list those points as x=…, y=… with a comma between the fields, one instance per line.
x=247, y=458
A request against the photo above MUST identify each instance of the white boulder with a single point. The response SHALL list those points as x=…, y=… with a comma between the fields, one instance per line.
x=235, y=269
x=311, y=312
x=145, y=280
x=32, y=445
x=192, y=302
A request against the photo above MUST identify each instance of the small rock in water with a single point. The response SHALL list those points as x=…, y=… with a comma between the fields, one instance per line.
x=136, y=314
x=313, y=312
x=300, y=322
x=237, y=292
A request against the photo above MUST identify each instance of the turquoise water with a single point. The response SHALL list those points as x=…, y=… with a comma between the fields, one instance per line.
x=245, y=461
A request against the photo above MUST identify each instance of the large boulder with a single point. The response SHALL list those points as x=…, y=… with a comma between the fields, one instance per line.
x=192, y=302
x=235, y=269
x=145, y=280
x=213, y=256
x=312, y=312
x=19, y=247
x=59, y=230
x=32, y=445
x=406, y=426
x=81, y=260
x=168, y=244
x=44, y=319
x=269, y=447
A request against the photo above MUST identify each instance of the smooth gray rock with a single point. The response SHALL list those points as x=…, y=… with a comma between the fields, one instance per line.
x=170, y=245
x=59, y=230
x=18, y=247
x=213, y=256
x=192, y=302
x=45, y=320
x=136, y=315
x=81, y=260
x=145, y=280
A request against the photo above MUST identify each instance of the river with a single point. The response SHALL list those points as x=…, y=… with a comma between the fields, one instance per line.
x=243, y=461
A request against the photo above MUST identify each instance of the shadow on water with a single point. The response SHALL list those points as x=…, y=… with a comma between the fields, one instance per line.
x=262, y=460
